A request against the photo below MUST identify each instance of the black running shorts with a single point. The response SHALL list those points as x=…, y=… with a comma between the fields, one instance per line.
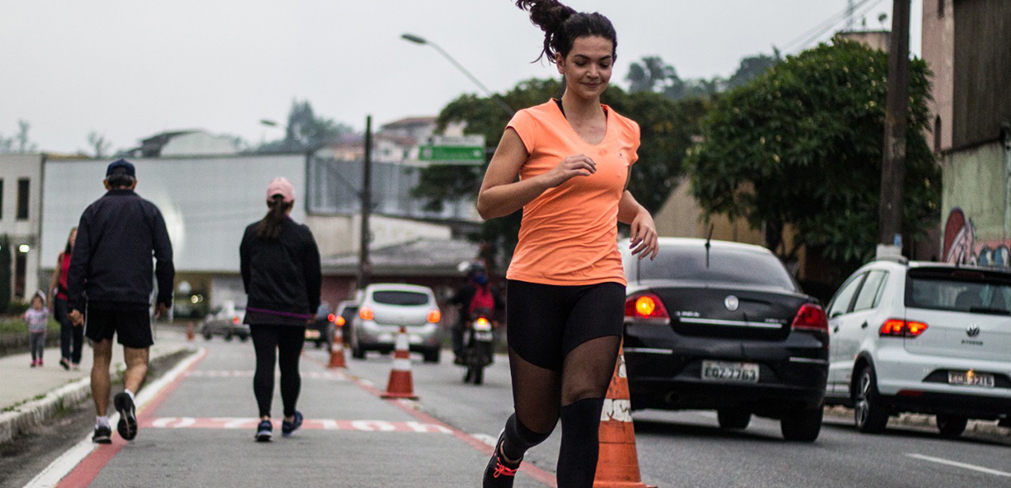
x=546, y=322
x=131, y=323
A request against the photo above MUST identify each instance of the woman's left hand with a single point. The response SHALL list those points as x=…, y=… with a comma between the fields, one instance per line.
x=644, y=238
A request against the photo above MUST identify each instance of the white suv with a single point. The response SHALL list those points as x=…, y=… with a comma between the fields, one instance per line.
x=922, y=337
x=384, y=308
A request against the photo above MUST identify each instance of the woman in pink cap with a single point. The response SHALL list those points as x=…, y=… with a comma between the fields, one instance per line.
x=281, y=272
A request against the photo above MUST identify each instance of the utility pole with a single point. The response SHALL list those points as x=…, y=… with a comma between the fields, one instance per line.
x=893, y=167
x=364, y=266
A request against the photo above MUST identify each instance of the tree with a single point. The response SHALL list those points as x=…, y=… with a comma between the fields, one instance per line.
x=305, y=131
x=752, y=67
x=666, y=127
x=19, y=142
x=653, y=75
x=801, y=145
x=99, y=144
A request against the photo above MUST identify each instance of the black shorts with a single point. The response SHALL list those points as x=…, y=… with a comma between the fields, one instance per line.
x=131, y=323
x=546, y=322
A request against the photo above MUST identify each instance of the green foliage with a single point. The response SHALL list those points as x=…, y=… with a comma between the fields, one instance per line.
x=801, y=145
x=305, y=131
x=666, y=127
x=5, y=272
x=652, y=74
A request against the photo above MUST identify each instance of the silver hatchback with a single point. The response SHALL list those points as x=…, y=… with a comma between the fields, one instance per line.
x=384, y=308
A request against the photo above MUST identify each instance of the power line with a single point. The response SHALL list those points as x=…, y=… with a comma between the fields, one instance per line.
x=821, y=26
x=867, y=8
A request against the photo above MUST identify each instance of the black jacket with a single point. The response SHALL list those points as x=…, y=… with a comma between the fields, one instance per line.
x=282, y=276
x=111, y=262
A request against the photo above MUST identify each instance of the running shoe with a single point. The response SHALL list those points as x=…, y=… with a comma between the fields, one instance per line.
x=500, y=473
x=288, y=427
x=34, y=363
x=263, y=431
x=127, y=426
x=103, y=435
x=65, y=364
x=40, y=362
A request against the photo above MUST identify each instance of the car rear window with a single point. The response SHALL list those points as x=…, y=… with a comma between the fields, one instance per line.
x=725, y=266
x=959, y=290
x=400, y=297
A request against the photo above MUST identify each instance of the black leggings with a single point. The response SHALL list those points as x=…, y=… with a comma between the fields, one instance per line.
x=563, y=345
x=71, y=337
x=281, y=344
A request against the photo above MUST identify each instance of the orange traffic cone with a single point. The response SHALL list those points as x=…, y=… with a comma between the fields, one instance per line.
x=401, y=384
x=189, y=331
x=337, y=351
x=618, y=464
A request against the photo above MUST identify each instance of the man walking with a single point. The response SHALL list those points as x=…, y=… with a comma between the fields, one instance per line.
x=109, y=285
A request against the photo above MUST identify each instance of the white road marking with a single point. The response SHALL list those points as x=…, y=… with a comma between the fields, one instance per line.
x=959, y=465
x=485, y=438
x=63, y=465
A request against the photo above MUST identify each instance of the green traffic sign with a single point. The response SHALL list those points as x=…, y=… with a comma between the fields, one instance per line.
x=451, y=154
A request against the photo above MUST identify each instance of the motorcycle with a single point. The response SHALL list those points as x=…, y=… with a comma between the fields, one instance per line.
x=478, y=347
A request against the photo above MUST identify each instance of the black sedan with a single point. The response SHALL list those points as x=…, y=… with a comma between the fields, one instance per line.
x=721, y=325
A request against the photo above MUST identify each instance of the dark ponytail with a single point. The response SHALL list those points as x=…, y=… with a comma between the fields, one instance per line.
x=562, y=26
x=270, y=227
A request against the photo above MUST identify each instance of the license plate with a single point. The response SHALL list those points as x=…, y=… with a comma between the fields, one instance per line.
x=311, y=334
x=483, y=335
x=970, y=378
x=734, y=372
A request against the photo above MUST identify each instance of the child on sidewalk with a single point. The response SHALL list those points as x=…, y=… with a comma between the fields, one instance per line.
x=37, y=318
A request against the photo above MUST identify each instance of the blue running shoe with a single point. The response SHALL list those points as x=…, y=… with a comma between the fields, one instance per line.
x=288, y=427
x=263, y=431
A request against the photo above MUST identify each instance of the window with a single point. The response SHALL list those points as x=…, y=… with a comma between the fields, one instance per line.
x=937, y=134
x=20, y=265
x=959, y=290
x=870, y=292
x=22, y=213
x=844, y=298
x=400, y=298
x=724, y=265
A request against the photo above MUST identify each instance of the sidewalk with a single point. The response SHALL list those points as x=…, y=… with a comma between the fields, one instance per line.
x=30, y=396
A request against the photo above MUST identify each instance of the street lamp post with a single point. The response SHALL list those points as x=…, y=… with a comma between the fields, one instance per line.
x=422, y=41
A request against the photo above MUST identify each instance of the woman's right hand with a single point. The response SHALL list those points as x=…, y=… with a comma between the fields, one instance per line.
x=570, y=167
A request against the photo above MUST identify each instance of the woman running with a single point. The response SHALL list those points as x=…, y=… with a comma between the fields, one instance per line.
x=71, y=336
x=566, y=286
x=281, y=272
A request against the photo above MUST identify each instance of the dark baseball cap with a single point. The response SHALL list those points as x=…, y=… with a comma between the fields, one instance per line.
x=127, y=167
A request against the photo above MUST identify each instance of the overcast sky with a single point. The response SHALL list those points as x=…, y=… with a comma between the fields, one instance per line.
x=129, y=69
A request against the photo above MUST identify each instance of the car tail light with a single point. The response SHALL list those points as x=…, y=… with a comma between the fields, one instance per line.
x=434, y=316
x=902, y=328
x=810, y=317
x=366, y=313
x=482, y=324
x=339, y=321
x=645, y=306
x=235, y=320
x=330, y=318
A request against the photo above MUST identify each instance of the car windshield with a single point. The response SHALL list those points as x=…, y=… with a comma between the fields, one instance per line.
x=730, y=266
x=400, y=298
x=959, y=290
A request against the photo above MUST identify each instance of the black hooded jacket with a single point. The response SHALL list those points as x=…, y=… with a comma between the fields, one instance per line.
x=282, y=276
x=111, y=263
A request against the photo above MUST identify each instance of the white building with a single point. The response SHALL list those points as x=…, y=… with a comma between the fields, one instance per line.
x=20, y=218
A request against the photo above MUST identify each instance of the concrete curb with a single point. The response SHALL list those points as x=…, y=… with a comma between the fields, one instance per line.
x=989, y=428
x=36, y=412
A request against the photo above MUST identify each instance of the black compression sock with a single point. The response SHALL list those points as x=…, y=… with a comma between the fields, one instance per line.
x=518, y=439
x=577, y=457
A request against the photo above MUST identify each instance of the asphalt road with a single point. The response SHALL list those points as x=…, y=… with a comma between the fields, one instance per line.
x=201, y=435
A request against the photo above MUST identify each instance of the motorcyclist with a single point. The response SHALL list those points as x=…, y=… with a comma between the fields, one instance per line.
x=476, y=293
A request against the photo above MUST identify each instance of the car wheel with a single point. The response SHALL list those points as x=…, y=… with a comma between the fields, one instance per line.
x=951, y=426
x=207, y=336
x=870, y=415
x=432, y=356
x=357, y=351
x=733, y=419
x=243, y=337
x=802, y=425
x=319, y=344
x=228, y=336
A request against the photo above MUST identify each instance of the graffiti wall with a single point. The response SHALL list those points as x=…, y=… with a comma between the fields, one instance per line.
x=961, y=245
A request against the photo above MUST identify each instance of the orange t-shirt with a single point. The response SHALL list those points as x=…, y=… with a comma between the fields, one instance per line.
x=569, y=233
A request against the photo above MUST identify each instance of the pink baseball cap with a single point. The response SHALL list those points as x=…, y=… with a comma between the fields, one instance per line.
x=281, y=186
